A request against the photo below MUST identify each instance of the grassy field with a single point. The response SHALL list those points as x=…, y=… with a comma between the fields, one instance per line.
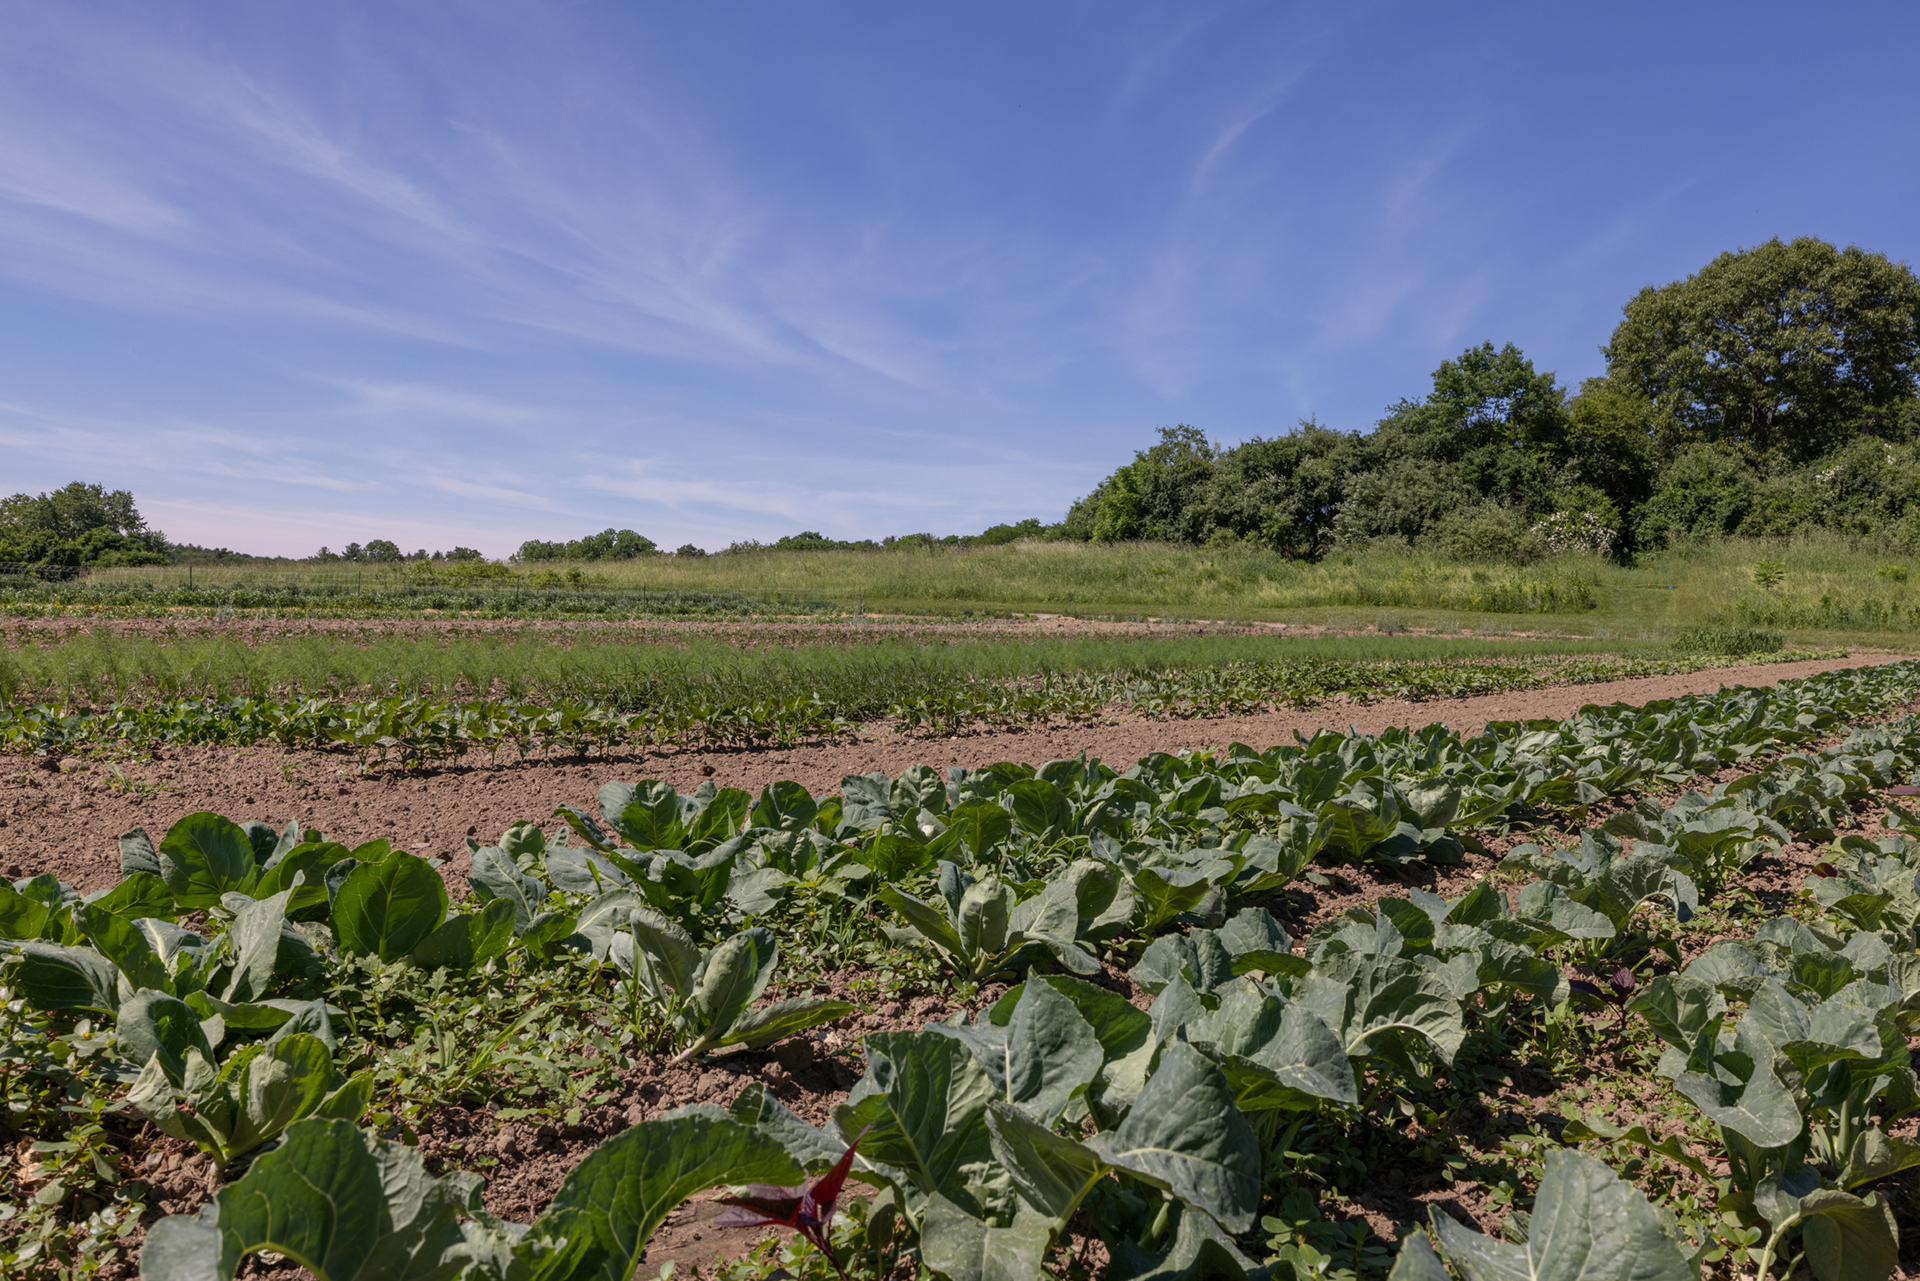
x=102, y=666
x=1820, y=589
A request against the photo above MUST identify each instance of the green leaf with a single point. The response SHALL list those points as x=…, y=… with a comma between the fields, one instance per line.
x=1849, y=1238
x=255, y=938
x=385, y=909
x=1587, y=1225
x=757, y=1029
x=332, y=1197
x=961, y=1246
x=931, y=922
x=137, y=895
x=785, y=806
x=1417, y=1261
x=731, y=977
x=464, y=942
x=203, y=857
x=1185, y=1134
x=671, y=954
x=1052, y=1172
x=156, y=1023
x=137, y=853
x=119, y=940
x=1362, y=996
x=630, y=1183
x=53, y=977
x=1051, y=1052
x=646, y=815
x=1762, y=1111
x=921, y=1105
x=496, y=875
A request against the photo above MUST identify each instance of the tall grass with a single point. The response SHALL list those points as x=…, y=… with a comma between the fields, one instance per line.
x=1828, y=584
x=104, y=667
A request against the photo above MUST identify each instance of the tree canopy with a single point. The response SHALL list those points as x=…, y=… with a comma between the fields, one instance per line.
x=78, y=524
x=1790, y=347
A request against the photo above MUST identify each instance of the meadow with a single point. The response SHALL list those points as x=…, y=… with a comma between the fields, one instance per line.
x=1817, y=586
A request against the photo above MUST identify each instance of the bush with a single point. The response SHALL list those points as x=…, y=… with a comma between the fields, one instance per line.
x=1706, y=493
x=1488, y=532
x=1734, y=641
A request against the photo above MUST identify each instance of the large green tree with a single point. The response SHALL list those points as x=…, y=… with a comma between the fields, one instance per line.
x=78, y=524
x=1787, y=347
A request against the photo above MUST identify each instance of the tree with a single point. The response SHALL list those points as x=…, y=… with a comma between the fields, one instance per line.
x=1284, y=492
x=1149, y=497
x=1787, y=346
x=78, y=524
x=1499, y=424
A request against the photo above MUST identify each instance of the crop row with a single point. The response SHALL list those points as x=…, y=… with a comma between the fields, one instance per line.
x=414, y=729
x=1060, y=1109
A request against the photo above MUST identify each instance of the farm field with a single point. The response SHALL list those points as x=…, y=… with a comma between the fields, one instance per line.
x=1097, y=1009
x=1820, y=587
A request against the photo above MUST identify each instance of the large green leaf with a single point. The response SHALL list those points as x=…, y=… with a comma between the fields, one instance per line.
x=496, y=875
x=961, y=1246
x=731, y=978
x=137, y=895
x=336, y=1200
x=1761, y=1111
x=255, y=939
x=1849, y=1238
x=1185, y=1134
x=121, y=941
x=203, y=857
x=922, y=1107
x=757, y=1029
x=630, y=1183
x=785, y=806
x=1363, y=996
x=469, y=940
x=53, y=977
x=385, y=909
x=1587, y=1225
x=672, y=956
x=1052, y=1172
x=156, y=1023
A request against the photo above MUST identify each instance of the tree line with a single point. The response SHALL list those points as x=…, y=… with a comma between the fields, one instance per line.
x=1772, y=391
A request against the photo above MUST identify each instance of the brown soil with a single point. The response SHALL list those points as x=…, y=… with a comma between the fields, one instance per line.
x=64, y=820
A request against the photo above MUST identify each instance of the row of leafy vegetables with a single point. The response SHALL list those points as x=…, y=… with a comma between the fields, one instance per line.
x=1062, y=1108
x=413, y=729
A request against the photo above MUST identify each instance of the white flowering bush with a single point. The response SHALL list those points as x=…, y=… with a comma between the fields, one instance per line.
x=1576, y=532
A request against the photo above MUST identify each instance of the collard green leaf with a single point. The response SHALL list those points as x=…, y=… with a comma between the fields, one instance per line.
x=385, y=909
x=1185, y=1134
x=757, y=1029
x=922, y=1107
x=1587, y=1225
x=1849, y=1238
x=465, y=941
x=496, y=875
x=136, y=895
x=1052, y=1172
x=202, y=857
x=959, y=1245
x=137, y=853
x=343, y=1204
x=730, y=978
x=55, y=977
x=156, y=1023
x=1361, y=997
x=629, y=1184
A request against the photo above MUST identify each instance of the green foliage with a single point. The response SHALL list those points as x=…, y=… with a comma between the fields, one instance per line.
x=79, y=524
x=1785, y=346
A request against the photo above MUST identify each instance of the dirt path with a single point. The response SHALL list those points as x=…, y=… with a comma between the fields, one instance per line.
x=65, y=822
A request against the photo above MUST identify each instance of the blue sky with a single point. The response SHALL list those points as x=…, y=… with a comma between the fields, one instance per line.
x=475, y=273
